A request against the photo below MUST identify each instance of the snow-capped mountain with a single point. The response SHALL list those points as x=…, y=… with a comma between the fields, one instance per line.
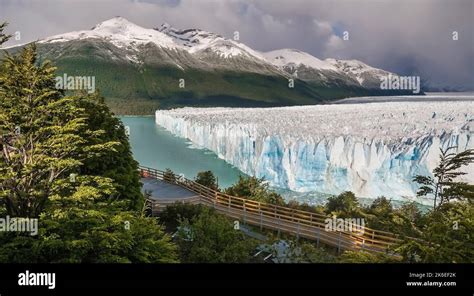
x=305, y=66
x=295, y=58
x=366, y=75
x=135, y=63
x=198, y=41
x=118, y=31
x=126, y=35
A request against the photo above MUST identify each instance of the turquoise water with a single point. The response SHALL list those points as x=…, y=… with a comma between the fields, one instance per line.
x=155, y=147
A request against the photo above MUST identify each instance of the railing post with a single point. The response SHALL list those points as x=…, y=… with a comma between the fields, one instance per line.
x=318, y=236
x=339, y=243
x=279, y=224
x=245, y=213
x=298, y=232
x=261, y=216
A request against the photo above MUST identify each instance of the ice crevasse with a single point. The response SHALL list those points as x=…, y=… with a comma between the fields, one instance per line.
x=371, y=149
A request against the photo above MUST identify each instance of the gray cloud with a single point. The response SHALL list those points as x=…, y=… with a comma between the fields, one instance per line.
x=407, y=37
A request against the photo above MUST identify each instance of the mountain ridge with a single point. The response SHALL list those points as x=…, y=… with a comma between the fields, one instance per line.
x=135, y=64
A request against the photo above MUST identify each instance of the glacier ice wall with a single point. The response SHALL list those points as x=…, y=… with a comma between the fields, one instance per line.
x=371, y=149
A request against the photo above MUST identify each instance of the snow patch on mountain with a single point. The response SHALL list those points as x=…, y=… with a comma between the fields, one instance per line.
x=296, y=58
x=358, y=70
x=118, y=31
x=193, y=39
x=371, y=149
x=196, y=40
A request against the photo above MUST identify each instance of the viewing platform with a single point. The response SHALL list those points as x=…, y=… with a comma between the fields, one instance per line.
x=163, y=193
x=166, y=188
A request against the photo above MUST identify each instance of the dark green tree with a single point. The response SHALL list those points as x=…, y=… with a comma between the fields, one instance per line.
x=295, y=204
x=3, y=37
x=211, y=238
x=45, y=139
x=366, y=257
x=303, y=252
x=407, y=220
x=169, y=176
x=443, y=186
x=173, y=214
x=118, y=164
x=445, y=236
x=207, y=179
x=344, y=205
x=380, y=214
x=255, y=189
x=49, y=170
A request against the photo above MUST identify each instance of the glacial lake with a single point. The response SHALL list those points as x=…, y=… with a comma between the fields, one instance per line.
x=154, y=147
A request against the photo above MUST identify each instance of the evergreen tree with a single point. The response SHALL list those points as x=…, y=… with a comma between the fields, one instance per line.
x=445, y=233
x=345, y=205
x=366, y=257
x=118, y=164
x=3, y=37
x=444, y=237
x=44, y=135
x=207, y=179
x=444, y=186
x=169, y=176
x=255, y=189
x=211, y=238
x=66, y=160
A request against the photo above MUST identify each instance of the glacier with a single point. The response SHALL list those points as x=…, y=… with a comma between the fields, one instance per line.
x=372, y=149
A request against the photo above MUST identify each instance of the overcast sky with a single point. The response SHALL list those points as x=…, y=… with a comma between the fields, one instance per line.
x=405, y=36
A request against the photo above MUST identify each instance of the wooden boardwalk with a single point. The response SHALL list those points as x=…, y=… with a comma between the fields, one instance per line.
x=162, y=193
x=166, y=190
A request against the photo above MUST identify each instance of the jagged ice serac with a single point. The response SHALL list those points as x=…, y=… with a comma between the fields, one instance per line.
x=371, y=149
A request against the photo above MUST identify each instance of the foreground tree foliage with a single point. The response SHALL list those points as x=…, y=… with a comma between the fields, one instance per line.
x=173, y=214
x=365, y=257
x=66, y=160
x=446, y=234
x=211, y=238
x=444, y=186
x=302, y=251
x=3, y=37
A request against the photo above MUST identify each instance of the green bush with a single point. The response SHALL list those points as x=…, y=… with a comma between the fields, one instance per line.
x=255, y=189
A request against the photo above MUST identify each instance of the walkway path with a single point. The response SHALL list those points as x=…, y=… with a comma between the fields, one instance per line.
x=166, y=189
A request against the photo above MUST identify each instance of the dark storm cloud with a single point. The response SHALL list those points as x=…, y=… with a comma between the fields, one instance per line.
x=409, y=37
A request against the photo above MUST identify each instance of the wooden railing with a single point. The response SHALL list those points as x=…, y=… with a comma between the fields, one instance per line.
x=297, y=222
